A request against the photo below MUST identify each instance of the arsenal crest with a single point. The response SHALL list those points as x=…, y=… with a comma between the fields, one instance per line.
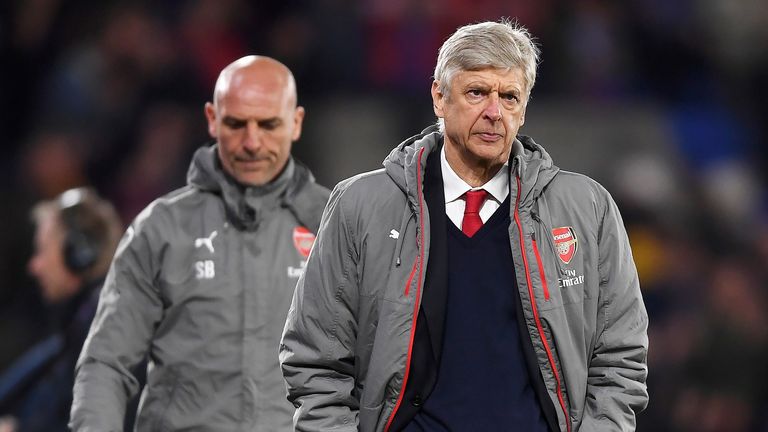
x=566, y=243
x=303, y=240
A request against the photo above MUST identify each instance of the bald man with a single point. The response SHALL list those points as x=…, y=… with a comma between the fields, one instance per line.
x=203, y=278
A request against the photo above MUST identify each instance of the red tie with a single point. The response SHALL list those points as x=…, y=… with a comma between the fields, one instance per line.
x=472, y=221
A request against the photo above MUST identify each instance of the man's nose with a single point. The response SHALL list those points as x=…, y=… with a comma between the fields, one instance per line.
x=492, y=110
x=253, y=136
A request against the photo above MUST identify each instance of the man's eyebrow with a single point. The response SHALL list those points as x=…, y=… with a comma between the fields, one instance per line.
x=511, y=91
x=232, y=119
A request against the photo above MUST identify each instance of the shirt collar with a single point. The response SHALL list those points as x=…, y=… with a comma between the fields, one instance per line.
x=455, y=187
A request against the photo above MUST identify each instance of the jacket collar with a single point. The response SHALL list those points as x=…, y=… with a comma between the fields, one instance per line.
x=246, y=205
x=528, y=160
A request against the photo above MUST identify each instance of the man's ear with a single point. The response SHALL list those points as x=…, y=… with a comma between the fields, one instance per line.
x=437, y=99
x=210, y=115
x=298, y=120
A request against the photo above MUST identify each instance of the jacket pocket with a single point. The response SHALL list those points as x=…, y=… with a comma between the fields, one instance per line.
x=369, y=418
x=159, y=390
x=162, y=421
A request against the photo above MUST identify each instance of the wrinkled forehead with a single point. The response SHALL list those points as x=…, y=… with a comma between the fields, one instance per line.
x=510, y=78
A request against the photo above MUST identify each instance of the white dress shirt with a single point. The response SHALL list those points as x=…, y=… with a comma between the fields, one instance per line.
x=455, y=187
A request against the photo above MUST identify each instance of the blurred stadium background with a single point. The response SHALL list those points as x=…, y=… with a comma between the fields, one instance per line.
x=664, y=102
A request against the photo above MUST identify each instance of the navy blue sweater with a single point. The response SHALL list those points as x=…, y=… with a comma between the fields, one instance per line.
x=483, y=382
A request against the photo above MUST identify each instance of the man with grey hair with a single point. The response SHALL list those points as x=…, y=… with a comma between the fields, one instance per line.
x=203, y=278
x=470, y=284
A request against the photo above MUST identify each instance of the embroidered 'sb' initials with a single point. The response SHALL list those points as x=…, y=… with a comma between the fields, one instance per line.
x=205, y=269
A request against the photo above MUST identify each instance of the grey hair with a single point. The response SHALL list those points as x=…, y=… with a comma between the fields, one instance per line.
x=498, y=45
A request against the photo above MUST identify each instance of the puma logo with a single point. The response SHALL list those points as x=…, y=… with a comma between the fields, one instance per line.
x=206, y=241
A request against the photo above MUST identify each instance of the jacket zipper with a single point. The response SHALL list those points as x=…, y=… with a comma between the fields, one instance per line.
x=536, y=318
x=420, y=261
x=542, y=275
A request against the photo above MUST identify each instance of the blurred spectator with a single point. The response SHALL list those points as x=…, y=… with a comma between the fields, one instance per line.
x=212, y=35
x=74, y=242
x=54, y=161
x=723, y=378
x=163, y=143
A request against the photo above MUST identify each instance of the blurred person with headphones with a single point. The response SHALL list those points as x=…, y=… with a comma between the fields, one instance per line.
x=75, y=238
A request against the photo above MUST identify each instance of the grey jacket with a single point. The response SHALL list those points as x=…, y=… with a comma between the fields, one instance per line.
x=201, y=284
x=347, y=342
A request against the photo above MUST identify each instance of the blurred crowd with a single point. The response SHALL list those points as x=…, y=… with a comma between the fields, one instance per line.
x=111, y=93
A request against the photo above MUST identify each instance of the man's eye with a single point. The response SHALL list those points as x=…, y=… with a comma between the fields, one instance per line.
x=510, y=97
x=475, y=92
x=270, y=125
x=234, y=124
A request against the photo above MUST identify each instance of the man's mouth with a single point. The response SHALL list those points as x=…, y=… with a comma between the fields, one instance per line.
x=489, y=136
x=249, y=160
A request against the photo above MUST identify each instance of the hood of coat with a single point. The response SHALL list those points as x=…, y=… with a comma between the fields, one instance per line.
x=529, y=161
x=533, y=165
x=246, y=205
x=403, y=163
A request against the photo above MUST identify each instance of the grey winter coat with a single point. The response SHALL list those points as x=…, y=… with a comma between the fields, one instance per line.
x=347, y=343
x=201, y=284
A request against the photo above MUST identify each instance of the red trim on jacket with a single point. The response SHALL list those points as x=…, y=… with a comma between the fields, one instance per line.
x=539, y=327
x=410, y=278
x=420, y=260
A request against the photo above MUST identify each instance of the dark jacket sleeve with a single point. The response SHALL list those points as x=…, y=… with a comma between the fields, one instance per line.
x=129, y=309
x=616, y=389
x=317, y=349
